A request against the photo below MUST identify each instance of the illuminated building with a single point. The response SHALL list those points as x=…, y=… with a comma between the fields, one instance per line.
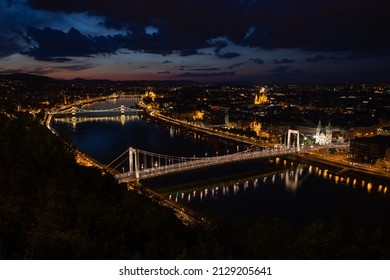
x=256, y=127
x=261, y=97
x=150, y=94
x=198, y=115
x=323, y=135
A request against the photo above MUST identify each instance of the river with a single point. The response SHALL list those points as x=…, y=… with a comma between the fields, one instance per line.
x=277, y=188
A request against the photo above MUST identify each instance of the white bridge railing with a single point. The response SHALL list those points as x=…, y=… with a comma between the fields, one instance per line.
x=160, y=165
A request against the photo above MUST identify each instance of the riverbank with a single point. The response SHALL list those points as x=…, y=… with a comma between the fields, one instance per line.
x=341, y=168
x=204, y=129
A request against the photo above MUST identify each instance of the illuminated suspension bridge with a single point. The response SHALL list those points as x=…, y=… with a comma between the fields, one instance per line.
x=77, y=110
x=73, y=121
x=140, y=164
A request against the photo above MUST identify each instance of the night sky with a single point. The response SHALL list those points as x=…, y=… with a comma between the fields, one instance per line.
x=262, y=41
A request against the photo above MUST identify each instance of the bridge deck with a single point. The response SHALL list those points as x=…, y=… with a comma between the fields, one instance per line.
x=211, y=161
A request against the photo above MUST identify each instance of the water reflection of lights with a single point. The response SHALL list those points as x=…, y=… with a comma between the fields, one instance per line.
x=369, y=187
x=171, y=132
x=246, y=185
x=77, y=120
x=291, y=179
x=236, y=188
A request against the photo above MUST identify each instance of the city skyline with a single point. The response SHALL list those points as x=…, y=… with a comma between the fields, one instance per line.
x=219, y=41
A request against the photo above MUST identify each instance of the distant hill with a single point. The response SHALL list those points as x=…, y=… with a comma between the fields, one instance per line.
x=43, y=79
x=27, y=78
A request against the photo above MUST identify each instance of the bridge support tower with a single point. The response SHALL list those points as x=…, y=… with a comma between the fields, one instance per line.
x=133, y=162
x=73, y=113
x=293, y=132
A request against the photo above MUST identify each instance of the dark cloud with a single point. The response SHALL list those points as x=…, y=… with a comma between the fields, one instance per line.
x=315, y=59
x=205, y=75
x=76, y=67
x=10, y=39
x=283, y=61
x=322, y=25
x=181, y=25
x=53, y=59
x=335, y=31
x=188, y=52
x=41, y=71
x=220, y=44
x=56, y=45
x=164, y=72
x=280, y=69
x=205, y=69
x=183, y=67
x=258, y=61
x=7, y=47
x=228, y=55
x=236, y=65
x=166, y=61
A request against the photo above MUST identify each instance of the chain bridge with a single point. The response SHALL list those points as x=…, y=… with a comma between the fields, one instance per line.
x=135, y=164
x=77, y=110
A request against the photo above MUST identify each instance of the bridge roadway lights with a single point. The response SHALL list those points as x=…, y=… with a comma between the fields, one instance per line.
x=135, y=173
x=75, y=110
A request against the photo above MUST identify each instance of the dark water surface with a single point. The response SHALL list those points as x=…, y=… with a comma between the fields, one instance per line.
x=295, y=193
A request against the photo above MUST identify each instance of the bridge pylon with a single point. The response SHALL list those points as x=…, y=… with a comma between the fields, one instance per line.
x=73, y=113
x=293, y=132
x=134, y=162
